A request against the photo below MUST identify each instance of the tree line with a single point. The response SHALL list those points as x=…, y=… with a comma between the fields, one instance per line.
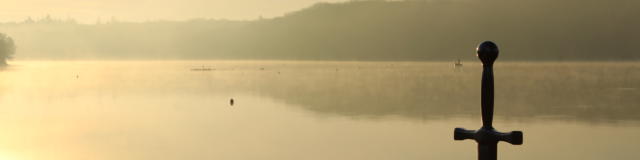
x=414, y=30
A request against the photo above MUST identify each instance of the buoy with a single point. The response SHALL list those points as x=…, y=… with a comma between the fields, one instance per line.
x=231, y=102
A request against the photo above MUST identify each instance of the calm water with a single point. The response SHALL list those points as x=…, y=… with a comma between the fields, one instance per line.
x=132, y=110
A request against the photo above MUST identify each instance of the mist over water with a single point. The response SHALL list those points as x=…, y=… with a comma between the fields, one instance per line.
x=310, y=110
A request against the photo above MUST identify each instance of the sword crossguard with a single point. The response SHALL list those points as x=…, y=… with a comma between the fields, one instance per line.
x=488, y=136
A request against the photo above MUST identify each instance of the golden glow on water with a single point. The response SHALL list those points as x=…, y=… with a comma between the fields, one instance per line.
x=163, y=110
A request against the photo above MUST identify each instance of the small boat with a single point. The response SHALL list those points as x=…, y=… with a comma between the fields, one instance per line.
x=457, y=64
x=201, y=69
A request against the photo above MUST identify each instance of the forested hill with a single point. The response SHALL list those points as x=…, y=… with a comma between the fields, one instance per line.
x=359, y=30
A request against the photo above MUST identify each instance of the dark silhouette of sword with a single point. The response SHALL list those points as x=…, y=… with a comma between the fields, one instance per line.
x=487, y=137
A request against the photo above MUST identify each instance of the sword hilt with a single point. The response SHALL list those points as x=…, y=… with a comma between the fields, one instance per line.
x=487, y=137
x=488, y=53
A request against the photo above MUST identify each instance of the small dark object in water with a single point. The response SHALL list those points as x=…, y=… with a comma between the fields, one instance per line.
x=231, y=102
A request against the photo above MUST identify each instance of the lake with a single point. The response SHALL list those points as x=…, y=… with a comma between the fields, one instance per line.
x=286, y=110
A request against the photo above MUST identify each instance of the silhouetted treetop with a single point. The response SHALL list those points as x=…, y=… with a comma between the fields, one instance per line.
x=7, y=48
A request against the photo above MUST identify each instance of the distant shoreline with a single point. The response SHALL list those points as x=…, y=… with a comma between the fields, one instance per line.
x=330, y=61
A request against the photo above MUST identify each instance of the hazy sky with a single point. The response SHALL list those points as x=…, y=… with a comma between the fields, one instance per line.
x=88, y=11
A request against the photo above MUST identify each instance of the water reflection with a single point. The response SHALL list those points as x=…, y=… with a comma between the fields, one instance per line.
x=164, y=110
x=587, y=92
